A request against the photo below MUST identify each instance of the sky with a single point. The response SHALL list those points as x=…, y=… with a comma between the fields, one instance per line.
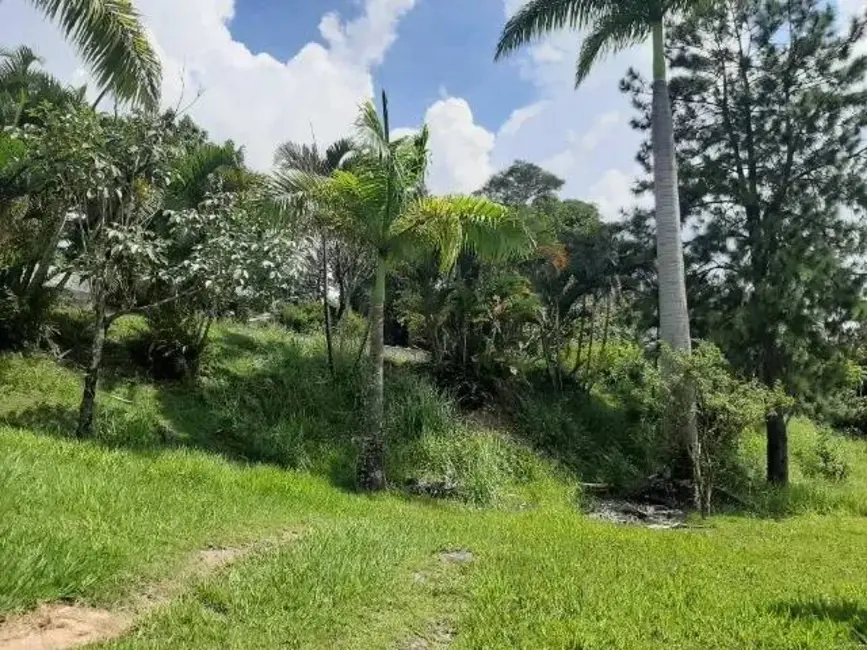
x=260, y=72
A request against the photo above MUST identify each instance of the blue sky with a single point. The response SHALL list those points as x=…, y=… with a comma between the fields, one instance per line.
x=443, y=46
x=261, y=72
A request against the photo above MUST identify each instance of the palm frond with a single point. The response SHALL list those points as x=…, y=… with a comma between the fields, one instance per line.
x=294, y=155
x=110, y=37
x=539, y=18
x=338, y=154
x=196, y=168
x=370, y=133
x=19, y=60
x=450, y=224
x=611, y=33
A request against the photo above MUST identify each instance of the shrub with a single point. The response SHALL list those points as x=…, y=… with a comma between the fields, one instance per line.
x=175, y=342
x=827, y=459
x=23, y=320
x=609, y=435
x=724, y=408
x=303, y=318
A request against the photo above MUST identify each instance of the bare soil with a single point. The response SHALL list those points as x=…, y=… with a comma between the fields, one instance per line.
x=59, y=626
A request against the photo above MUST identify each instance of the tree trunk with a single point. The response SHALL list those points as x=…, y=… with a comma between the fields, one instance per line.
x=370, y=475
x=325, y=307
x=778, y=449
x=91, y=379
x=673, y=312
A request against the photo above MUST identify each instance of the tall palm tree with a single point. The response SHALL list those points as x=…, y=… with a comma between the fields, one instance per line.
x=293, y=157
x=613, y=25
x=381, y=201
x=110, y=37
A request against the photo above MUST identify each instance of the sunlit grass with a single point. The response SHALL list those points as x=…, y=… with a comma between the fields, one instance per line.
x=96, y=521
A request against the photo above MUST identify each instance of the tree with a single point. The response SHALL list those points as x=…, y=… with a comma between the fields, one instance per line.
x=292, y=157
x=614, y=25
x=771, y=111
x=522, y=183
x=23, y=84
x=111, y=39
x=381, y=201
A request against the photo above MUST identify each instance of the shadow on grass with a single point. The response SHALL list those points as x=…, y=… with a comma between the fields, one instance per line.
x=846, y=612
x=268, y=402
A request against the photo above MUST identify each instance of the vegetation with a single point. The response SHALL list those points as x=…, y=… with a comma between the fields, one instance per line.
x=202, y=366
x=79, y=518
x=614, y=26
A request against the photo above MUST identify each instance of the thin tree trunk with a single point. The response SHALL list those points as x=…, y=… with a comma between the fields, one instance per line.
x=371, y=462
x=673, y=312
x=91, y=379
x=778, y=449
x=325, y=307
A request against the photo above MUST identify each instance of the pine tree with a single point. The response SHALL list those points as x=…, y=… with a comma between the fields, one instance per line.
x=770, y=107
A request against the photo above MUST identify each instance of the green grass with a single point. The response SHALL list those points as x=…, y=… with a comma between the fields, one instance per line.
x=97, y=521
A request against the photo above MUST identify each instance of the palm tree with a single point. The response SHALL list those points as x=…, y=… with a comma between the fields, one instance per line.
x=292, y=157
x=613, y=25
x=111, y=39
x=23, y=84
x=381, y=201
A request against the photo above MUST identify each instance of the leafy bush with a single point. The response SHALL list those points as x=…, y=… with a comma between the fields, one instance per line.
x=351, y=325
x=724, y=408
x=23, y=320
x=610, y=435
x=827, y=459
x=175, y=342
x=303, y=318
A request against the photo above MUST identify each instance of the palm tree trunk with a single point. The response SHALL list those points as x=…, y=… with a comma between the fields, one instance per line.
x=370, y=475
x=673, y=312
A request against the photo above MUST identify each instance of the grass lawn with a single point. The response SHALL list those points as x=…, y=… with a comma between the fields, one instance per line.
x=98, y=522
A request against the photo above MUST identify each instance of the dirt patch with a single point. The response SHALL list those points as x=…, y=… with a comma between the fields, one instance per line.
x=61, y=626
x=459, y=556
x=440, y=636
x=56, y=627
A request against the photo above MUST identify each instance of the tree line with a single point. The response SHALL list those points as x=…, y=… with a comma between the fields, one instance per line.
x=755, y=154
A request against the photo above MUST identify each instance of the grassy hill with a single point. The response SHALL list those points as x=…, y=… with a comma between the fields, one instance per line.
x=262, y=445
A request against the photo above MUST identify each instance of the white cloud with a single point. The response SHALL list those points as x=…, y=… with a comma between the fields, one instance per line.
x=254, y=99
x=582, y=135
x=460, y=148
x=613, y=193
x=520, y=116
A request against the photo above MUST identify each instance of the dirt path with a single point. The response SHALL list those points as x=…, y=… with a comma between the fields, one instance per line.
x=58, y=626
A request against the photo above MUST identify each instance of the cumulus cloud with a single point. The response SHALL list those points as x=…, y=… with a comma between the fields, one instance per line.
x=460, y=148
x=253, y=99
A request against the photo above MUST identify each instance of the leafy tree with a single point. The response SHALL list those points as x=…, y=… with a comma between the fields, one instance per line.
x=725, y=408
x=381, y=201
x=614, y=25
x=522, y=183
x=111, y=39
x=770, y=114
x=577, y=280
